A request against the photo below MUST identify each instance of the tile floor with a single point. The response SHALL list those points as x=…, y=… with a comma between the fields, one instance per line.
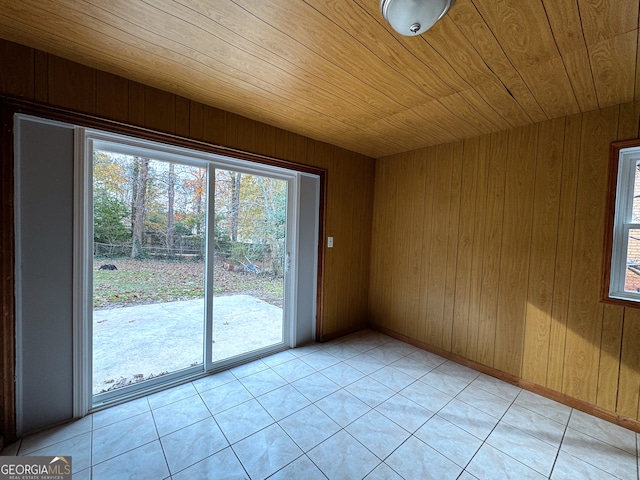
x=363, y=406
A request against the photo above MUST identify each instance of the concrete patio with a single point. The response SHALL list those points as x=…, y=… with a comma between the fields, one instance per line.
x=147, y=340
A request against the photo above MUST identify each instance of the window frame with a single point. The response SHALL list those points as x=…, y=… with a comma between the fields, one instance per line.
x=623, y=158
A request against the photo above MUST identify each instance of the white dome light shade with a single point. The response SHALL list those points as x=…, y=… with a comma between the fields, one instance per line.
x=413, y=17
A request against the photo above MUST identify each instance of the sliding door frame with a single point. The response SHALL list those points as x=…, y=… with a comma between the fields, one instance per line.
x=9, y=106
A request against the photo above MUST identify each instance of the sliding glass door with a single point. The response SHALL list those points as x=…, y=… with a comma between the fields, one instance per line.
x=189, y=266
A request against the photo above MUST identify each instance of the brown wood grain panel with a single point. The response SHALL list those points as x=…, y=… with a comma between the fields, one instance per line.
x=137, y=93
x=214, y=128
x=629, y=121
x=629, y=380
x=522, y=29
x=160, y=110
x=605, y=20
x=71, y=85
x=584, y=324
x=16, y=69
x=579, y=72
x=609, y=368
x=542, y=259
x=564, y=18
x=516, y=240
x=196, y=119
x=112, y=96
x=470, y=22
x=439, y=243
x=289, y=146
x=430, y=322
x=453, y=244
x=415, y=175
x=478, y=251
x=452, y=45
x=498, y=152
x=564, y=251
x=41, y=80
x=182, y=116
x=465, y=247
x=613, y=64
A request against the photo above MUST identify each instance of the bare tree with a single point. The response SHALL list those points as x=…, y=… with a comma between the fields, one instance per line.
x=171, y=195
x=142, y=166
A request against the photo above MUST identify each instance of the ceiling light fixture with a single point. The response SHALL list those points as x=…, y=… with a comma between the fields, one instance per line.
x=413, y=17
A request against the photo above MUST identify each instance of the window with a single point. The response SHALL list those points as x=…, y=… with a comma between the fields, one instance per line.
x=623, y=231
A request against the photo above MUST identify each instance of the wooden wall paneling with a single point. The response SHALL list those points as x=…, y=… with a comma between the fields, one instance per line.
x=564, y=251
x=362, y=249
x=112, y=96
x=71, y=85
x=629, y=380
x=182, y=116
x=609, y=366
x=516, y=240
x=231, y=129
x=41, y=80
x=289, y=146
x=415, y=175
x=629, y=121
x=17, y=76
x=584, y=323
x=375, y=278
x=196, y=120
x=379, y=240
x=214, y=127
x=465, y=247
x=430, y=322
x=498, y=153
x=475, y=292
x=402, y=260
x=453, y=243
x=613, y=63
x=637, y=85
x=438, y=192
x=542, y=259
x=265, y=138
x=348, y=267
x=137, y=103
x=390, y=248
x=160, y=110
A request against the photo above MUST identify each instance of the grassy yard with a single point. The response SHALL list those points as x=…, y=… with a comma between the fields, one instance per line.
x=137, y=282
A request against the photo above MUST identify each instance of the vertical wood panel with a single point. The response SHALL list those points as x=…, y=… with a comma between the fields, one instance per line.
x=137, y=93
x=112, y=96
x=564, y=251
x=71, y=85
x=453, y=245
x=465, y=247
x=182, y=116
x=214, y=129
x=478, y=248
x=196, y=120
x=609, y=367
x=516, y=240
x=16, y=69
x=543, y=250
x=439, y=243
x=430, y=322
x=160, y=110
x=629, y=383
x=415, y=186
x=498, y=151
x=585, y=312
x=41, y=81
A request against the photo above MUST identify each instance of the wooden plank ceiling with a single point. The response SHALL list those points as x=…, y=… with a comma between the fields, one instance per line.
x=333, y=70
